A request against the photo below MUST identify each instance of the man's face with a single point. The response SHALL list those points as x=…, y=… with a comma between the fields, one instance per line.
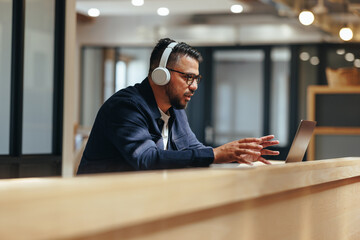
x=178, y=91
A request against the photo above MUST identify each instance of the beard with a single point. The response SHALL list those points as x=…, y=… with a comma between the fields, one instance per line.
x=175, y=102
x=176, y=99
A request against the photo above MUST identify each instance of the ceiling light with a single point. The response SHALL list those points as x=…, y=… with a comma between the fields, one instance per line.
x=346, y=33
x=304, y=56
x=357, y=63
x=306, y=18
x=94, y=12
x=163, y=11
x=237, y=8
x=340, y=51
x=349, y=57
x=137, y=2
x=314, y=60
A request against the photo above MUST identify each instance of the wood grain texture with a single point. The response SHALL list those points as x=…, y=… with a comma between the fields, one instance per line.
x=325, y=212
x=253, y=203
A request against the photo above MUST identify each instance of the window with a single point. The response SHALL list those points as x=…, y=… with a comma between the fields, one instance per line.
x=136, y=62
x=31, y=79
x=238, y=93
x=308, y=74
x=5, y=74
x=105, y=71
x=38, y=77
x=91, y=85
x=251, y=95
x=280, y=87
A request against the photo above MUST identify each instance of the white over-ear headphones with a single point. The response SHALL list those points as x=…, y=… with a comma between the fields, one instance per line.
x=161, y=75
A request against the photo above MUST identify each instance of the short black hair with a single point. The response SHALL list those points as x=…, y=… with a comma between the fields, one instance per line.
x=181, y=49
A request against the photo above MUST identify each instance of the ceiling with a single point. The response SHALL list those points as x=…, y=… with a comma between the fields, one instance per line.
x=330, y=15
x=183, y=7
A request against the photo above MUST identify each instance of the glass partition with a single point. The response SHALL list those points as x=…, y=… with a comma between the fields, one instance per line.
x=309, y=61
x=280, y=88
x=5, y=73
x=132, y=66
x=238, y=94
x=343, y=57
x=38, y=77
x=91, y=84
x=107, y=70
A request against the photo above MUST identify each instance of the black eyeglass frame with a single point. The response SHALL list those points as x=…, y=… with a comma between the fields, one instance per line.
x=190, y=78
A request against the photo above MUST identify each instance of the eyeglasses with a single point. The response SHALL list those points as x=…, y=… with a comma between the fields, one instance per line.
x=190, y=78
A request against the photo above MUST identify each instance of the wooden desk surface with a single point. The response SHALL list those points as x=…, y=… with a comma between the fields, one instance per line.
x=88, y=206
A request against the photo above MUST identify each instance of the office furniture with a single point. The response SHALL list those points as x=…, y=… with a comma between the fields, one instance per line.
x=306, y=200
x=338, y=114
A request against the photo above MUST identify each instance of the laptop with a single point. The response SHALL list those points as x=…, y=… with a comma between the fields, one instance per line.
x=301, y=141
x=297, y=150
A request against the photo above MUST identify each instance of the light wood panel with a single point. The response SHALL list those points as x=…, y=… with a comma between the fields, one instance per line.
x=324, y=89
x=337, y=130
x=314, y=90
x=282, y=201
x=320, y=212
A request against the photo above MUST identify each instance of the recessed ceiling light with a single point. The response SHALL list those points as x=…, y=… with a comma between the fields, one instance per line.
x=236, y=8
x=163, y=11
x=94, y=12
x=137, y=2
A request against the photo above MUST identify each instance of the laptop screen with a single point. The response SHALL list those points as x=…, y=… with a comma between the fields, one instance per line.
x=301, y=141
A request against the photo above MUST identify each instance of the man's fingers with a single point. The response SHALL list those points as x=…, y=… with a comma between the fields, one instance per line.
x=250, y=146
x=250, y=140
x=267, y=138
x=244, y=161
x=248, y=151
x=270, y=143
x=262, y=140
x=261, y=159
x=269, y=152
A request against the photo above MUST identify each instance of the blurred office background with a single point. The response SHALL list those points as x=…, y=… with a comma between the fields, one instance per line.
x=258, y=63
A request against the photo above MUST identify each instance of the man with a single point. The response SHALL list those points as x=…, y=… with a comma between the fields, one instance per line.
x=145, y=126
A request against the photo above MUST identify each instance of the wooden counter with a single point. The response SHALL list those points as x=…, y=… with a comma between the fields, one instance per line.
x=302, y=201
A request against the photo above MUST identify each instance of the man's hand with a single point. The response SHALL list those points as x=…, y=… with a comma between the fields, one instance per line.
x=246, y=150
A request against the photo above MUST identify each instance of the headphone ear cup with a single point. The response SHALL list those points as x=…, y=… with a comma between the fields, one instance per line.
x=160, y=76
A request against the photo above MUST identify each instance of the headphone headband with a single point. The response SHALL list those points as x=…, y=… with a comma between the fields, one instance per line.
x=166, y=54
x=161, y=75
